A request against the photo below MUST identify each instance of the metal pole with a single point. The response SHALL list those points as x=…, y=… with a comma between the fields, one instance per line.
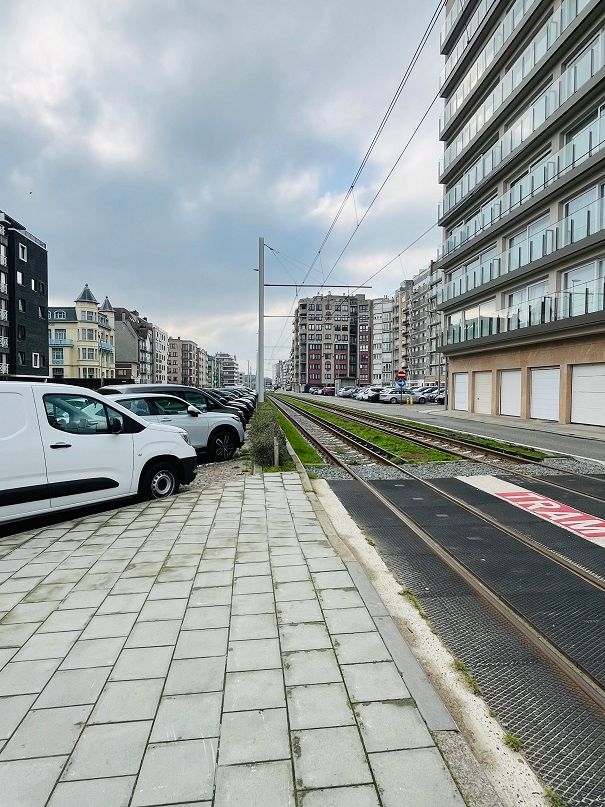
x=260, y=370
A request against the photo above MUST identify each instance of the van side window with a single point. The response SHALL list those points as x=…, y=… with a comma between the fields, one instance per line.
x=76, y=414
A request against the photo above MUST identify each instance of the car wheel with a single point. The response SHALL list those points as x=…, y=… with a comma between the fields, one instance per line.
x=421, y=400
x=393, y=400
x=159, y=481
x=222, y=445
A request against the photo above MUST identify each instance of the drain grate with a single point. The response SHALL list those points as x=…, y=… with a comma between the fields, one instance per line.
x=562, y=732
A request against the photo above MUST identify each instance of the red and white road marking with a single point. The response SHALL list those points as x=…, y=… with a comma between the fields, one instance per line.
x=583, y=524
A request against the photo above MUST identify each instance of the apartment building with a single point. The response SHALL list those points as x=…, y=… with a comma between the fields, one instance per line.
x=134, y=345
x=183, y=362
x=402, y=300
x=382, y=342
x=23, y=300
x=523, y=210
x=226, y=369
x=160, y=355
x=332, y=341
x=81, y=338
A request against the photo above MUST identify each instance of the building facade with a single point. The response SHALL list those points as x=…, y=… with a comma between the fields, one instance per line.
x=227, y=369
x=402, y=300
x=81, y=338
x=134, y=345
x=160, y=355
x=382, y=341
x=332, y=341
x=183, y=362
x=23, y=301
x=523, y=212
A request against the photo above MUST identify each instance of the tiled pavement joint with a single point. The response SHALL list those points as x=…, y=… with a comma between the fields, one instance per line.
x=213, y=649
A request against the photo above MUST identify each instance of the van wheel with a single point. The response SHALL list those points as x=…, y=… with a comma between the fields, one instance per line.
x=159, y=481
x=222, y=445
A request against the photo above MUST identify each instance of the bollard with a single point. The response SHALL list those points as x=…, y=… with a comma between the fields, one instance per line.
x=275, y=452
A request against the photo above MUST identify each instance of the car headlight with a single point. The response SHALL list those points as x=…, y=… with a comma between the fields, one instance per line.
x=185, y=437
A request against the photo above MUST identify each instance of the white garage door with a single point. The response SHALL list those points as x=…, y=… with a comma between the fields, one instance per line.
x=483, y=393
x=545, y=393
x=588, y=394
x=461, y=391
x=510, y=392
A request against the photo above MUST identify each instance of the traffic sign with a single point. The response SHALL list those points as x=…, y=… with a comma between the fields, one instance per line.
x=401, y=384
x=401, y=375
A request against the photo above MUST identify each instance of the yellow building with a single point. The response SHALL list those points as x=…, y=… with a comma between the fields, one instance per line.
x=81, y=338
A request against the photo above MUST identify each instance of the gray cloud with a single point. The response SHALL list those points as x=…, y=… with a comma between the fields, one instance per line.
x=159, y=139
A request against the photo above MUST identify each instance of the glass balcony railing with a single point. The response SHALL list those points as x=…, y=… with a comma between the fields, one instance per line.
x=3, y=341
x=3, y=314
x=3, y=288
x=544, y=40
x=495, y=43
x=3, y=368
x=451, y=19
x=57, y=360
x=106, y=346
x=61, y=342
x=587, y=298
x=580, y=148
x=548, y=102
x=575, y=227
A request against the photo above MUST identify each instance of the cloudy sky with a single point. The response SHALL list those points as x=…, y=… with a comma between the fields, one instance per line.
x=151, y=142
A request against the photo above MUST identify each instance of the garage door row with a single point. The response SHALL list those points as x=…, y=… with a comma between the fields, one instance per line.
x=544, y=391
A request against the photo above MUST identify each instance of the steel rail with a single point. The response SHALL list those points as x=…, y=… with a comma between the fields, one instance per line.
x=392, y=429
x=583, y=680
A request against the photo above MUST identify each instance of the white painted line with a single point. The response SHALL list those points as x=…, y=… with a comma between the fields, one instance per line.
x=587, y=526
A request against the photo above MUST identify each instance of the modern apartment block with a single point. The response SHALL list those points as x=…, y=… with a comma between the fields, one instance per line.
x=402, y=301
x=382, y=341
x=183, y=362
x=227, y=369
x=523, y=211
x=160, y=355
x=332, y=340
x=23, y=300
x=81, y=338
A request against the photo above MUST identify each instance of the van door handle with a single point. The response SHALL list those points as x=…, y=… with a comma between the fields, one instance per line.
x=61, y=445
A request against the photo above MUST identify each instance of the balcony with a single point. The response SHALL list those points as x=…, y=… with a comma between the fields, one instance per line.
x=3, y=315
x=584, y=222
x=3, y=288
x=3, y=260
x=548, y=102
x=106, y=346
x=543, y=42
x=451, y=19
x=4, y=341
x=584, y=145
x=60, y=342
x=469, y=32
x=56, y=360
x=3, y=368
x=589, y=298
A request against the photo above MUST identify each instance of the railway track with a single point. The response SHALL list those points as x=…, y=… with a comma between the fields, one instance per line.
x=526, y=637
x=588, y=676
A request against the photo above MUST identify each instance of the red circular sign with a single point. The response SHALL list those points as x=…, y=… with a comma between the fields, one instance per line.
x=401, y=375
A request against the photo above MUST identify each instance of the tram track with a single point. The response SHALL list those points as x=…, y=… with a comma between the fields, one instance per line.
x=559, y=648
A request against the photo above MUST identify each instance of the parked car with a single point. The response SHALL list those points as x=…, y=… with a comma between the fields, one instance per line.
x=226, y=399
x=199, y=398
x=64, y=446
x=433, y=394
x=440, y=398
x=328, y=391
x=417, y=396
x=217, y=433
x=346, y=392
x=393, y=395
x=370, y=394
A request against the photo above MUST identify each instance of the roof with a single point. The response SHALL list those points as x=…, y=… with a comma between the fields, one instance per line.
x=69, y=311
x=107, y=306
x=86, y=296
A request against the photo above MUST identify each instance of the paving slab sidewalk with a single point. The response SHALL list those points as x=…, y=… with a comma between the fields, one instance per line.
x=213, y=649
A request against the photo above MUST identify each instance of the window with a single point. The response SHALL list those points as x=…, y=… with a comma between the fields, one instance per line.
x=41, y=312
x=19, y=277
x=77, y=414
x=33, y=284
x=60, y=333
x=139, y=406
x=21, y=305
x=60, y=315
x=21, y=357
x=197, y=400
x=42, y=287
x=20, y=331
x=57, y=355
x=170, y=406
x=22, y=252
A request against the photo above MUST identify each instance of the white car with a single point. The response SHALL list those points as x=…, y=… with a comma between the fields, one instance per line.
x=64, y=446
x=392, y=395
x=220, y=433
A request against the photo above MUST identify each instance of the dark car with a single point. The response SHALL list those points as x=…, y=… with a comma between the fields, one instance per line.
x=192, y=395
x=226, y=400
x=328, y=391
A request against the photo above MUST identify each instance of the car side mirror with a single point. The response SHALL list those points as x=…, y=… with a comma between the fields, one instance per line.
x=191, y=410
x=115, y=426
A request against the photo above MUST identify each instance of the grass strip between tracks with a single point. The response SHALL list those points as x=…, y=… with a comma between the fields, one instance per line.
x=306, y=453
x=406, y=451
x=486, y=442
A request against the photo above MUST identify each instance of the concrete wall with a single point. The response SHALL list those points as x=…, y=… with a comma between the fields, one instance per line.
x=563, y=354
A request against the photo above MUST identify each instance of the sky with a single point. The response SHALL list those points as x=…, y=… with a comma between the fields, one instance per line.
x=150, y=143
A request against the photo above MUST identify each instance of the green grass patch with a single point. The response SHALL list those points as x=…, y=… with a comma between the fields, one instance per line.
x=486, y=442
x=402, y=449
x=468, y=676
x=554, y=799
x=513, y=742
x=288, y=465
x=305, y=452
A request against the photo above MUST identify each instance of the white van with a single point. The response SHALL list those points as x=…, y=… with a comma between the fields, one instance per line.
x=64, y=446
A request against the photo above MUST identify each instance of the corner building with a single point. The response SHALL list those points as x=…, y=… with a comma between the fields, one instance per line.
x=523, y=213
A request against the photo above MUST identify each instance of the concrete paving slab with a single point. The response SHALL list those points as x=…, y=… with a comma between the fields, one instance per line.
x=374, y=682
x=253, y=654
x=417, y=777
x=265, y=784
x=311, y=667
x=294, y=612
x=114, y=749
x=187, y=717
x=392, y=726
x=29, y=782
x=329, y=757
x=255, y=689
x=142, y=662
x=354, y=796
x=127, y=700
x=190, y=676
x=113, y=792
x=175, y=772
x=314, y=706
x=12, y=711
x=46, y=732
x=258, y=736
x=73, y=687
x=356, y=648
